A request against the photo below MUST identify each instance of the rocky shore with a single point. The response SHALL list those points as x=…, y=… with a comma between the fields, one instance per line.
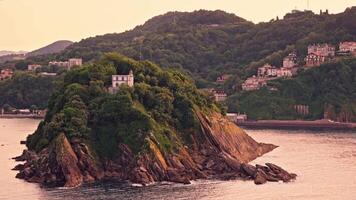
x=220, y=151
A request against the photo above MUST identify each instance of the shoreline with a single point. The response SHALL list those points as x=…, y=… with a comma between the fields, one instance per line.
x=20, y=116
x=297, y=124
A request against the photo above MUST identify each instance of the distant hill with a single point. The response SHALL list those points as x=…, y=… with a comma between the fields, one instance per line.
x=12, y=58
x=5, y=53
x=55, y=47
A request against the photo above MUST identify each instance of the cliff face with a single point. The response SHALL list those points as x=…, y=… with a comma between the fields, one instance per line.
x=217, y=151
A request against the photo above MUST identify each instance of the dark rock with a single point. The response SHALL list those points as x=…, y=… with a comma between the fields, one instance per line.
x=271, y=177
x=141, y=177
x=264, y=168
x=27, y=172
x=260, y=177
x=176, y=177
x=22, y=157
x=248, y=169
x=19, y=167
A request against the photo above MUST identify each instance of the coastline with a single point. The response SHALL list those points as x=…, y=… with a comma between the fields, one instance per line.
x=297, y=124
x=20, y=116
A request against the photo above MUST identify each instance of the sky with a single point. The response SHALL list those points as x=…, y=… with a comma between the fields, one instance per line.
x=31, y=24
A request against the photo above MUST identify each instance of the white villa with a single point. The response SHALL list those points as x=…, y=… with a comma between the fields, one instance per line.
x=118, y=80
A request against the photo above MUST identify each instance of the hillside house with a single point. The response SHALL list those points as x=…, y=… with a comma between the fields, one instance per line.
x=347, y=48
x=67, y=64
x=222, y=78
x=325, y=50
x=254, y=83
x=6, y=73
x=219, y=95
x=262, y=71
x=33, y=67
x=75, y=62
x=285, y=72
x=312, y=60
x=118, y=80
x=272, y=72
x=59, y=63
x=290, y=61
x=302, y=109
x=236, y=117
x=267, y=70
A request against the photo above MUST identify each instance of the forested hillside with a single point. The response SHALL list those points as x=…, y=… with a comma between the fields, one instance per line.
x=25, y=90
x=210, y=43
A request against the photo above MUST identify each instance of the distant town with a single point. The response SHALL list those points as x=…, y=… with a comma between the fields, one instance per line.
x=7, y=73
x=318, y=54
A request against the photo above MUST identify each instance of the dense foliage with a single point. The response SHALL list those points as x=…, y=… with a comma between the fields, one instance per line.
x=329, y=88
x=160, y=106
x=25, y=90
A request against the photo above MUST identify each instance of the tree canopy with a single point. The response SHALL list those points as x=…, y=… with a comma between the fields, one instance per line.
x=160, y=105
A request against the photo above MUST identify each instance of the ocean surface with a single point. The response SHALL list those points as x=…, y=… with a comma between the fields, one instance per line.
x=325, y=162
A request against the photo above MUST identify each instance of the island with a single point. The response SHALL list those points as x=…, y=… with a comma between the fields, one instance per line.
x=128, y=120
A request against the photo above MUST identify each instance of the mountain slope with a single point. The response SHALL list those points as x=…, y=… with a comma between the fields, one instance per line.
x=55, y=47
x=182, y=40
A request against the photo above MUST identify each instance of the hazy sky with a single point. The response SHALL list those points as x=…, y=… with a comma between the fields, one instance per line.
x=29, y=24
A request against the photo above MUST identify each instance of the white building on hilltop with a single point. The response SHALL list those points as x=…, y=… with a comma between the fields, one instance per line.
x=118, y=80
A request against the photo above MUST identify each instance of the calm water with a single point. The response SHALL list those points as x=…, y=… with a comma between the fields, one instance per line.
x=324, y=161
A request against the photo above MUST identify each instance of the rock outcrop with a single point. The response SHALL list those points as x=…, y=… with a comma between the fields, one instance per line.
x=61, y=164
x=271, y=172
x=220, y=150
